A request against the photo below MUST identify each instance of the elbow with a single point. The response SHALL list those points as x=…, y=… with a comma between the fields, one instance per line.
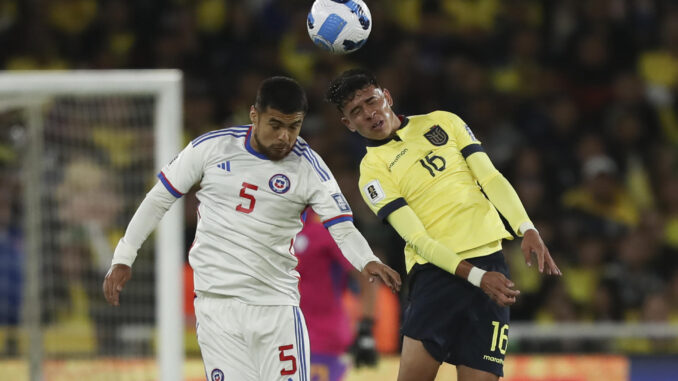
x=495, y=175
x=417, y=240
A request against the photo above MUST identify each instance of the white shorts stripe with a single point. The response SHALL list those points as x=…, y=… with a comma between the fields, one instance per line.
x=299, y=325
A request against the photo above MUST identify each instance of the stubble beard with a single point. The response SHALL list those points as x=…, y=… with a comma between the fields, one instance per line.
x=270, y=153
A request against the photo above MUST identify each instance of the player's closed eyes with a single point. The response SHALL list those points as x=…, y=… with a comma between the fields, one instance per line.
x=276, y=125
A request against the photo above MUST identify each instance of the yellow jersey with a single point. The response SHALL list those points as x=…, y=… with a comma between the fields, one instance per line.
x=424, y=167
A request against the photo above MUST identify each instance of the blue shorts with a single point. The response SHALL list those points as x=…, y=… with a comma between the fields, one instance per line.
x=456, y=321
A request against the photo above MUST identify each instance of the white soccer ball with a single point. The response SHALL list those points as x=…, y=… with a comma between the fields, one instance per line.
x=339, y=26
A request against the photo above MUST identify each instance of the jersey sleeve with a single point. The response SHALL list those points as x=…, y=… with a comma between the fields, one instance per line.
x=337, y=256
x=497, y=189
x=380, y=192
x=410, y=227
x=183, y=171
x=326, y=198
x=461, y=133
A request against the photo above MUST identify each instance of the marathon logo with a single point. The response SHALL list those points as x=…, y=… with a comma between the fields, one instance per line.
x=398, y=156
x=493, y=359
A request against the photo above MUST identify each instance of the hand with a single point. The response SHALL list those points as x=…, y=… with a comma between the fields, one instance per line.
x=114, y=281
x=499, y=288
x=387, y=275
x=364, y=350
x=533, y=244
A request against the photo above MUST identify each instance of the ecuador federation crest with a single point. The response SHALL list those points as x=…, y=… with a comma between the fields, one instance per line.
x=436, y=135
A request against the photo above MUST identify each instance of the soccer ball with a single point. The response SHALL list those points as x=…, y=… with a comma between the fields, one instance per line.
x=339, y=26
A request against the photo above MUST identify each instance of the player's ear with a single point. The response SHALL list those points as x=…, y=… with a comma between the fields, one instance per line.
x=347, y=123
x=387, y=95
x=254, y=116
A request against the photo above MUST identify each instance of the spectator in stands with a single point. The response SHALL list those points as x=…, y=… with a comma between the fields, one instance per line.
x=585, y=271
x=88, y=207
x=668, y=229
x=632, y=271
x=655, y=310
x=601, y=205
x=672, y=296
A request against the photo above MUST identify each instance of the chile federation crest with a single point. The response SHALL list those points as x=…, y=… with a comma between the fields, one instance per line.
x=217, y=375
x=279, y=183
x=436, y=136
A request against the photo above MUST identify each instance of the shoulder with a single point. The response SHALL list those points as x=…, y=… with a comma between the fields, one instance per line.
x=303, y=152
x=446, y=117
x=218, y=136
x=309, y=159
x=372, y=162
x=302, y=146
x=448, y=121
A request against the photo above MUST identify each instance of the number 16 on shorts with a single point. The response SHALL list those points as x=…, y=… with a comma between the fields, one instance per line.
x=499, y=337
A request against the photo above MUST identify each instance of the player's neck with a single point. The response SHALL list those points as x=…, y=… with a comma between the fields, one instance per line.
x=397, y=123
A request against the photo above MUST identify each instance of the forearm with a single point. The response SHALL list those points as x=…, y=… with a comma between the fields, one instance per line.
x=352, y=244
x=500, y=192
x=411, y=229
x=368, y=295
x=145, y=219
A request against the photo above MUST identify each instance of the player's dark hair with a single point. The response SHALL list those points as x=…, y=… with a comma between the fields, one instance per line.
x=343, y=88
x=283, y=94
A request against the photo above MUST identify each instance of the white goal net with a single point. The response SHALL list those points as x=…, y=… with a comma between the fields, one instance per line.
x=78, y=152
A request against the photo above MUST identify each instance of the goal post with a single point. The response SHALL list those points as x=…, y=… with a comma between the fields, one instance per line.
x=104, y=100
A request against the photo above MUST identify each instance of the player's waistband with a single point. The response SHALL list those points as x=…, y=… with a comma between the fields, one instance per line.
x=479, y=261
x=480, y=251
x=272, y=301
x=207, y=294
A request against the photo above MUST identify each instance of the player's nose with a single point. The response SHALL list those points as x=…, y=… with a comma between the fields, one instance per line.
x=284, y=135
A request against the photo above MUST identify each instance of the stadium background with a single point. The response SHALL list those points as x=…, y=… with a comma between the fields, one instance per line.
x=573, y=100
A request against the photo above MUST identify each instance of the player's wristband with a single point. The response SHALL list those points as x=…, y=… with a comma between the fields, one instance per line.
x=475, y=276
x=525, y=226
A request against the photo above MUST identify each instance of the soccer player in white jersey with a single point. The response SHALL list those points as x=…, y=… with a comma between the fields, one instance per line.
x=255, y=182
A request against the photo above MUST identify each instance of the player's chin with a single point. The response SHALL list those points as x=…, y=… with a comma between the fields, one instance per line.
x=278, y=153
x=377, y=132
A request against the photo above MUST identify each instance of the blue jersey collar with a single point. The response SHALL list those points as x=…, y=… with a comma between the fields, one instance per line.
x=250, y=149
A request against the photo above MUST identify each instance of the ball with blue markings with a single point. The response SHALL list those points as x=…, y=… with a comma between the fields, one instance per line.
x=339, y=26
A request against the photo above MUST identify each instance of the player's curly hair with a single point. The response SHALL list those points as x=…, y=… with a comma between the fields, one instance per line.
x=283, y=94
x=343, y=88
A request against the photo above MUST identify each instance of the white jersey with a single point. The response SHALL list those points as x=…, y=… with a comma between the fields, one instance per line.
x=250, y=212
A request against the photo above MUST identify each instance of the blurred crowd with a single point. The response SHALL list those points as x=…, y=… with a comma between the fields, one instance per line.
x=575, y=101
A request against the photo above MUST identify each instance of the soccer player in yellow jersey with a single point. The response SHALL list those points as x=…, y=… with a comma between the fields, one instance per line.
x=427, y=175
